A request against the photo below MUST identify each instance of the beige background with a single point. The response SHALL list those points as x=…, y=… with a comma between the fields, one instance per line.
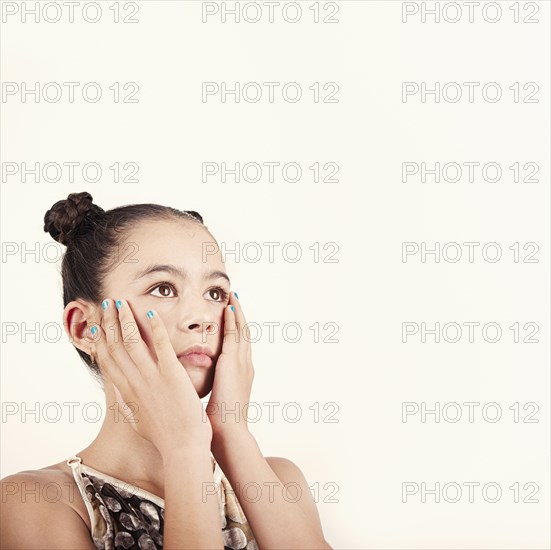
x=369, y=292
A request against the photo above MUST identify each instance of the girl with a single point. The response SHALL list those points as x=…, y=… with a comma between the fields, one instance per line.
x=149, y=309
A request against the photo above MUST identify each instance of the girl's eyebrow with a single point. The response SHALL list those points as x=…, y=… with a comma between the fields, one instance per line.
x=177, y=272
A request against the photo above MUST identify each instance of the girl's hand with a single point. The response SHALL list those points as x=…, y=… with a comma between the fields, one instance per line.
x=233, y=378
x=165, y=407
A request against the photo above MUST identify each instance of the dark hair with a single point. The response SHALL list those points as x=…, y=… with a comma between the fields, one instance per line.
x=92, y=237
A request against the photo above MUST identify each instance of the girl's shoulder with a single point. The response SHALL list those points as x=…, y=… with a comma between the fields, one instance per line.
x=36, y=512
x=48, y=488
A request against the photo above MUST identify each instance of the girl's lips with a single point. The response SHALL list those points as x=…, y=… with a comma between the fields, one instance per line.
x=196, y=359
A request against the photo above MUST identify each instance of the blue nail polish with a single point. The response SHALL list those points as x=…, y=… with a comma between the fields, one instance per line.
x=118, y=304
x=105, y=304
x=232, y=308
x=235, y=294
x=93, y=330
x=150, y=314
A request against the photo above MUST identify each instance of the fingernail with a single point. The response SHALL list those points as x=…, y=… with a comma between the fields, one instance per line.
x=118, y=304
x=235, y=294
x=105, y=304
x=93, y=330
x=149, y=314
x=232, y=308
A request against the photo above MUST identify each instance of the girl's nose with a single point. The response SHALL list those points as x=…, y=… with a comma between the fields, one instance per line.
x=197, y=315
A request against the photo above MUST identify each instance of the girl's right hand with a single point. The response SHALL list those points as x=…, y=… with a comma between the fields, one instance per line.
x=165, y=407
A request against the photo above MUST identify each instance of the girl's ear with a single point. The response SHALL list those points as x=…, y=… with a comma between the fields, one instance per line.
x=78, y=315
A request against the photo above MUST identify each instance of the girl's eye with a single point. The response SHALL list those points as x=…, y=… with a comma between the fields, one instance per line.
x=220, y=293
x=165, y=286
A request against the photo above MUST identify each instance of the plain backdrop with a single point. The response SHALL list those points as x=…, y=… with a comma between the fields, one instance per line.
x=356, y=452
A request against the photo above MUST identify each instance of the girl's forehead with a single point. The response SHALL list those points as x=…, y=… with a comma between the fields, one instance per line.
x=155, y=246
x=170, y=237
x=175, y=228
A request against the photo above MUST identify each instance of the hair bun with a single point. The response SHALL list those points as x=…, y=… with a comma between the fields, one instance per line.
x=64, y=220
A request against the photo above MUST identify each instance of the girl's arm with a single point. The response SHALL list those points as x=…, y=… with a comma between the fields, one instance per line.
x=192, y=515
x=276, y=521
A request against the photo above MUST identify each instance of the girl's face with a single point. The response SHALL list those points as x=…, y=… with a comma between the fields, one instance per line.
x=176, y=269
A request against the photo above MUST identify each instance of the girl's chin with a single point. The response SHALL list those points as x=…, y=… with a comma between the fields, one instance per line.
x=201, y=379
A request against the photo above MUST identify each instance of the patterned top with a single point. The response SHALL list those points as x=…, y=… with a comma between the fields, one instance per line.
x=123, y=516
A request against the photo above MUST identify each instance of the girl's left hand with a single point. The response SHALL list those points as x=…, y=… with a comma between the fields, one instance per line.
x=233, y=378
